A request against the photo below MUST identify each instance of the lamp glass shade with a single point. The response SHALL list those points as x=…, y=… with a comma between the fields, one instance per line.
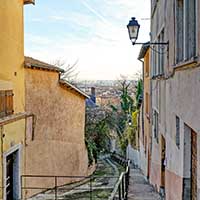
x=133, y=29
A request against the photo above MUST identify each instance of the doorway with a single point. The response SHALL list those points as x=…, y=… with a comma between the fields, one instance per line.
x=163, y=164
x=193, y=165
x=12, y=174
x=190, y=164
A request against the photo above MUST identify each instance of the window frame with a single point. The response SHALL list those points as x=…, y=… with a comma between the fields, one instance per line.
x=186, y=32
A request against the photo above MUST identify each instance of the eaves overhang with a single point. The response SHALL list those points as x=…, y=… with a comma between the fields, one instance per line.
x=72, y=87
x=143, y=50
x=29, y=2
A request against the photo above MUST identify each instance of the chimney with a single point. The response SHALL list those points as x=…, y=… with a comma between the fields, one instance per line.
x=93, y=94
x=93, y=91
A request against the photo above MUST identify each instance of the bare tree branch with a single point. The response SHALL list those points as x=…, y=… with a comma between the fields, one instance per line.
x=70, y=73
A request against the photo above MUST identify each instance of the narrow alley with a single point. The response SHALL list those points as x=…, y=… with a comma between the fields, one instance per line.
x=139, y=188
x=99, y=100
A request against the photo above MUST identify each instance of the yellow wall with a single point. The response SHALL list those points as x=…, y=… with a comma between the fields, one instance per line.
x=12, y=50
x=12, y=134
x=12, y=73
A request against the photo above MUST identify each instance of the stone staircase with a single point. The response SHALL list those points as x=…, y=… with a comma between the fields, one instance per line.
x=139, y=188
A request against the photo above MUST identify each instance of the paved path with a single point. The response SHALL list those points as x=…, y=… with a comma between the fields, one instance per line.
x=139, y=189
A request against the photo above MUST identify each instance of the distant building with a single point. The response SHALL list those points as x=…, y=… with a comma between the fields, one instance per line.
x=104, y=100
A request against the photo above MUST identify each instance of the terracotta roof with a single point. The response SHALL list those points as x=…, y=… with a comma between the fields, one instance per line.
x=72, y=87
x=37, y=64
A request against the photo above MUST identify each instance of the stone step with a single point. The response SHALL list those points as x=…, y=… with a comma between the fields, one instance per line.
x=139, y=188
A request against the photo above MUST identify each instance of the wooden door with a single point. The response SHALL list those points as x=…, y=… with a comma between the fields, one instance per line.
x=194, y=166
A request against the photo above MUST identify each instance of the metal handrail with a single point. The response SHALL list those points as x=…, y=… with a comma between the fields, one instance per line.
x=56, y=187
x=119, y=159
x=120, y=190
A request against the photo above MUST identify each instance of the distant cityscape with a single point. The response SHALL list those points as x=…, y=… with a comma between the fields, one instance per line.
x=106, y=91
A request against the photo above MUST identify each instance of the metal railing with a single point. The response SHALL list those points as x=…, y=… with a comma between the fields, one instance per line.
x=119, y=159
x=80, y=184
x=64, y=187
x=120, y=191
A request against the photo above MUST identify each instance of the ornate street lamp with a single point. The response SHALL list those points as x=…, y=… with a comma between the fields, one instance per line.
x=133, y=30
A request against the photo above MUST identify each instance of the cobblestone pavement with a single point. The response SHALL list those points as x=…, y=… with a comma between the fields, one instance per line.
x=139, y=189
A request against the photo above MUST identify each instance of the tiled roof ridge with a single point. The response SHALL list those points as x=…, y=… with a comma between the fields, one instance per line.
x=37, y=64
x=34, y=63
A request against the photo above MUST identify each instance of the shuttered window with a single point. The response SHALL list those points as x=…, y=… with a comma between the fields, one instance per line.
x=6, y=103
x=185, y=30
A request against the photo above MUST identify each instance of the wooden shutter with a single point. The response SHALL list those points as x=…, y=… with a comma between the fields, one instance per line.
x=2, y=104
x=9, y=102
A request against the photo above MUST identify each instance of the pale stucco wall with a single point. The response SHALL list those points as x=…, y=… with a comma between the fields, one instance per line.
x=58, y=147
x=177, y=96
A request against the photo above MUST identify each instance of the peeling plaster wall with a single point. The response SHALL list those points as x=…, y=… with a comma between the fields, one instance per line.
x=58, y=147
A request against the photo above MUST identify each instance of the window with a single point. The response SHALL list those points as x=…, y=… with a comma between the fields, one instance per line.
x=179, y=30
x=177, y=131
x=158, y=52
x=185, y=29
x=155, y=125
x=6, y=103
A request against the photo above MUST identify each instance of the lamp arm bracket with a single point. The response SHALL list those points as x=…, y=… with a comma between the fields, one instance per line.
x=151, y=43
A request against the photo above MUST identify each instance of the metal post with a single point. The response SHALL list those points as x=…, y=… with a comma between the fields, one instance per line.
x=119, y=190
x=126, y=185
x=123, y=187
x=56, y=184
x=127, y=182
x=90, y=188
x=21, y=187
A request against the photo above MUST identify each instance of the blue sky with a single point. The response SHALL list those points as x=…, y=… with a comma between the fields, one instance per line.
x=91, y=31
